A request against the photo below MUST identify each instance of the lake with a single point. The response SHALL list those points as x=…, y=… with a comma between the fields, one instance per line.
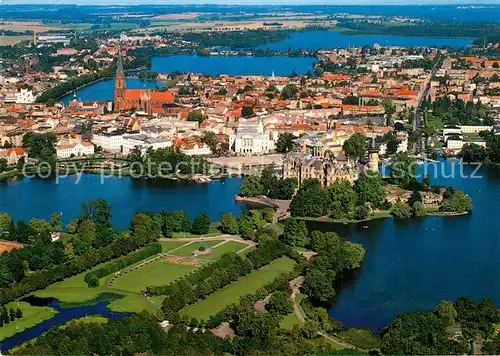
x=27, y=198
x=315, y=40
x=234, y=65
x=414, y=265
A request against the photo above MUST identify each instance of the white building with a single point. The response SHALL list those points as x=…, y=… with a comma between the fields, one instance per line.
x=25, y=96
x=75, y=150
x=195, y=149
x=250, y=138
x=454, y=143
x=143, y=142
x=109, y=141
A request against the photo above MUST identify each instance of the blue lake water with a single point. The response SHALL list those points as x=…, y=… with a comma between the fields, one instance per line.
x=105, y=89
x=315, y=40
x=64, y=314
x=29, y=198
x=414, y=265
x=246, y=65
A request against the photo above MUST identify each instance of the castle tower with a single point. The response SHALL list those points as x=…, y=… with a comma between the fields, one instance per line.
x=373, y=157
x=120, y=84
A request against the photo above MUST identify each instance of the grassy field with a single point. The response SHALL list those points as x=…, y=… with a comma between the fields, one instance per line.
x=231, y=293
x=289, y=321
x=167, y=246
x=211, y=233
x=188, y=249
x=12, y=40
x=157, y=273
x=228, y=247
x=31, y=317
x=382, y=214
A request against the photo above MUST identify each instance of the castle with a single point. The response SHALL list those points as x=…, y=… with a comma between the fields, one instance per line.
x=147, y=100
x=323, y=165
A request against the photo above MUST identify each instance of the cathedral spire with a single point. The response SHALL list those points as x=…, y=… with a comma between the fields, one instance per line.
x=119, y=67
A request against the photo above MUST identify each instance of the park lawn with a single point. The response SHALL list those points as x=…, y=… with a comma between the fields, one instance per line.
x=230, y=294
x=228, y=247
x=167, y=246
x=31, y=316
x=156, y=273
x=187, y=250
x=188, y=235
x=289, y=321
x=89, y=319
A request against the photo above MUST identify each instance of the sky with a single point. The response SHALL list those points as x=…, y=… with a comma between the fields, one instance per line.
x=254, y=2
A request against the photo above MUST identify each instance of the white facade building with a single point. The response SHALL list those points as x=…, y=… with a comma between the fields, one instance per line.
x=250, y=138
x=196, y=149
x=25, y=96
x=108, y=141
x=143, y=142
x=75, y=150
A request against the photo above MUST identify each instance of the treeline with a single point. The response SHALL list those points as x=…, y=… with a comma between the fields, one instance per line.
x=432, y=332
x=340, y=200
x=205, y=281
x=165, y=161
x=269, y=185
x=425, y=29
x=236, y=39
x=458, y=112
x=92, y=278
x=489, y=155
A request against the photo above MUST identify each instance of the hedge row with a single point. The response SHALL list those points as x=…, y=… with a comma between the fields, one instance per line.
x=42, y=279
x=125, y=261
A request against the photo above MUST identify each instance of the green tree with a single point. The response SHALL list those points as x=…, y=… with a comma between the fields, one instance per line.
x=404, y=170
x=456, y=201
x=247, y=111
x=251, y=187
x=362, y=212
x=5, y=222
x=419, y=209
x=229, y=224
x=55, y=222
x=196, y=115
x=369, y=189
x=446, y=312
x=311, y=200
x=402, y=211
x=285, y=142
x=73, y=226
x=40, y=225
x=201, y=224
x=295, y=233
x=318, y=286
x=389, y=107
x=142, y=229
x=342, y=191
x=355, y=146
x=280, y=303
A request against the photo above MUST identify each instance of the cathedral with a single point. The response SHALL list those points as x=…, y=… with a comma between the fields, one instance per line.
x=147, y=100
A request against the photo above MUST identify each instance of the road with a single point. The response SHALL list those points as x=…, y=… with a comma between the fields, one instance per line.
x=419, y=145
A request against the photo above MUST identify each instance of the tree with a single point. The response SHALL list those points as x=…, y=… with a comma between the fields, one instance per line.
x=402, y=211
x=389, y=107
x=229, y=224
x=3, y=165
x=269, y=181
x=196, y=115
x=342, y=192
x=311, y=200
x=251, y=187
x=92, y=280
x=369, y=189
x=210, y=138
x=318, y=286
x=19, y=313
x=247, y=111
x=73, y=226
x=362, y=212
x=279, y=303
x=40, y=225
x=5, y=222
x=97, y=210
x=87, y=230
x=355, y=146
x=201, y=224
x=295, y=233
x=404, y=170
x=419, y=209
x=456, y=201
x=415, y=197
x=285, y=142
x=143, y=229
x=55, y=222
x=446, y=312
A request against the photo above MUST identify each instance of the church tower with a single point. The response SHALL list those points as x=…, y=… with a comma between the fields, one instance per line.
x=120, y=84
